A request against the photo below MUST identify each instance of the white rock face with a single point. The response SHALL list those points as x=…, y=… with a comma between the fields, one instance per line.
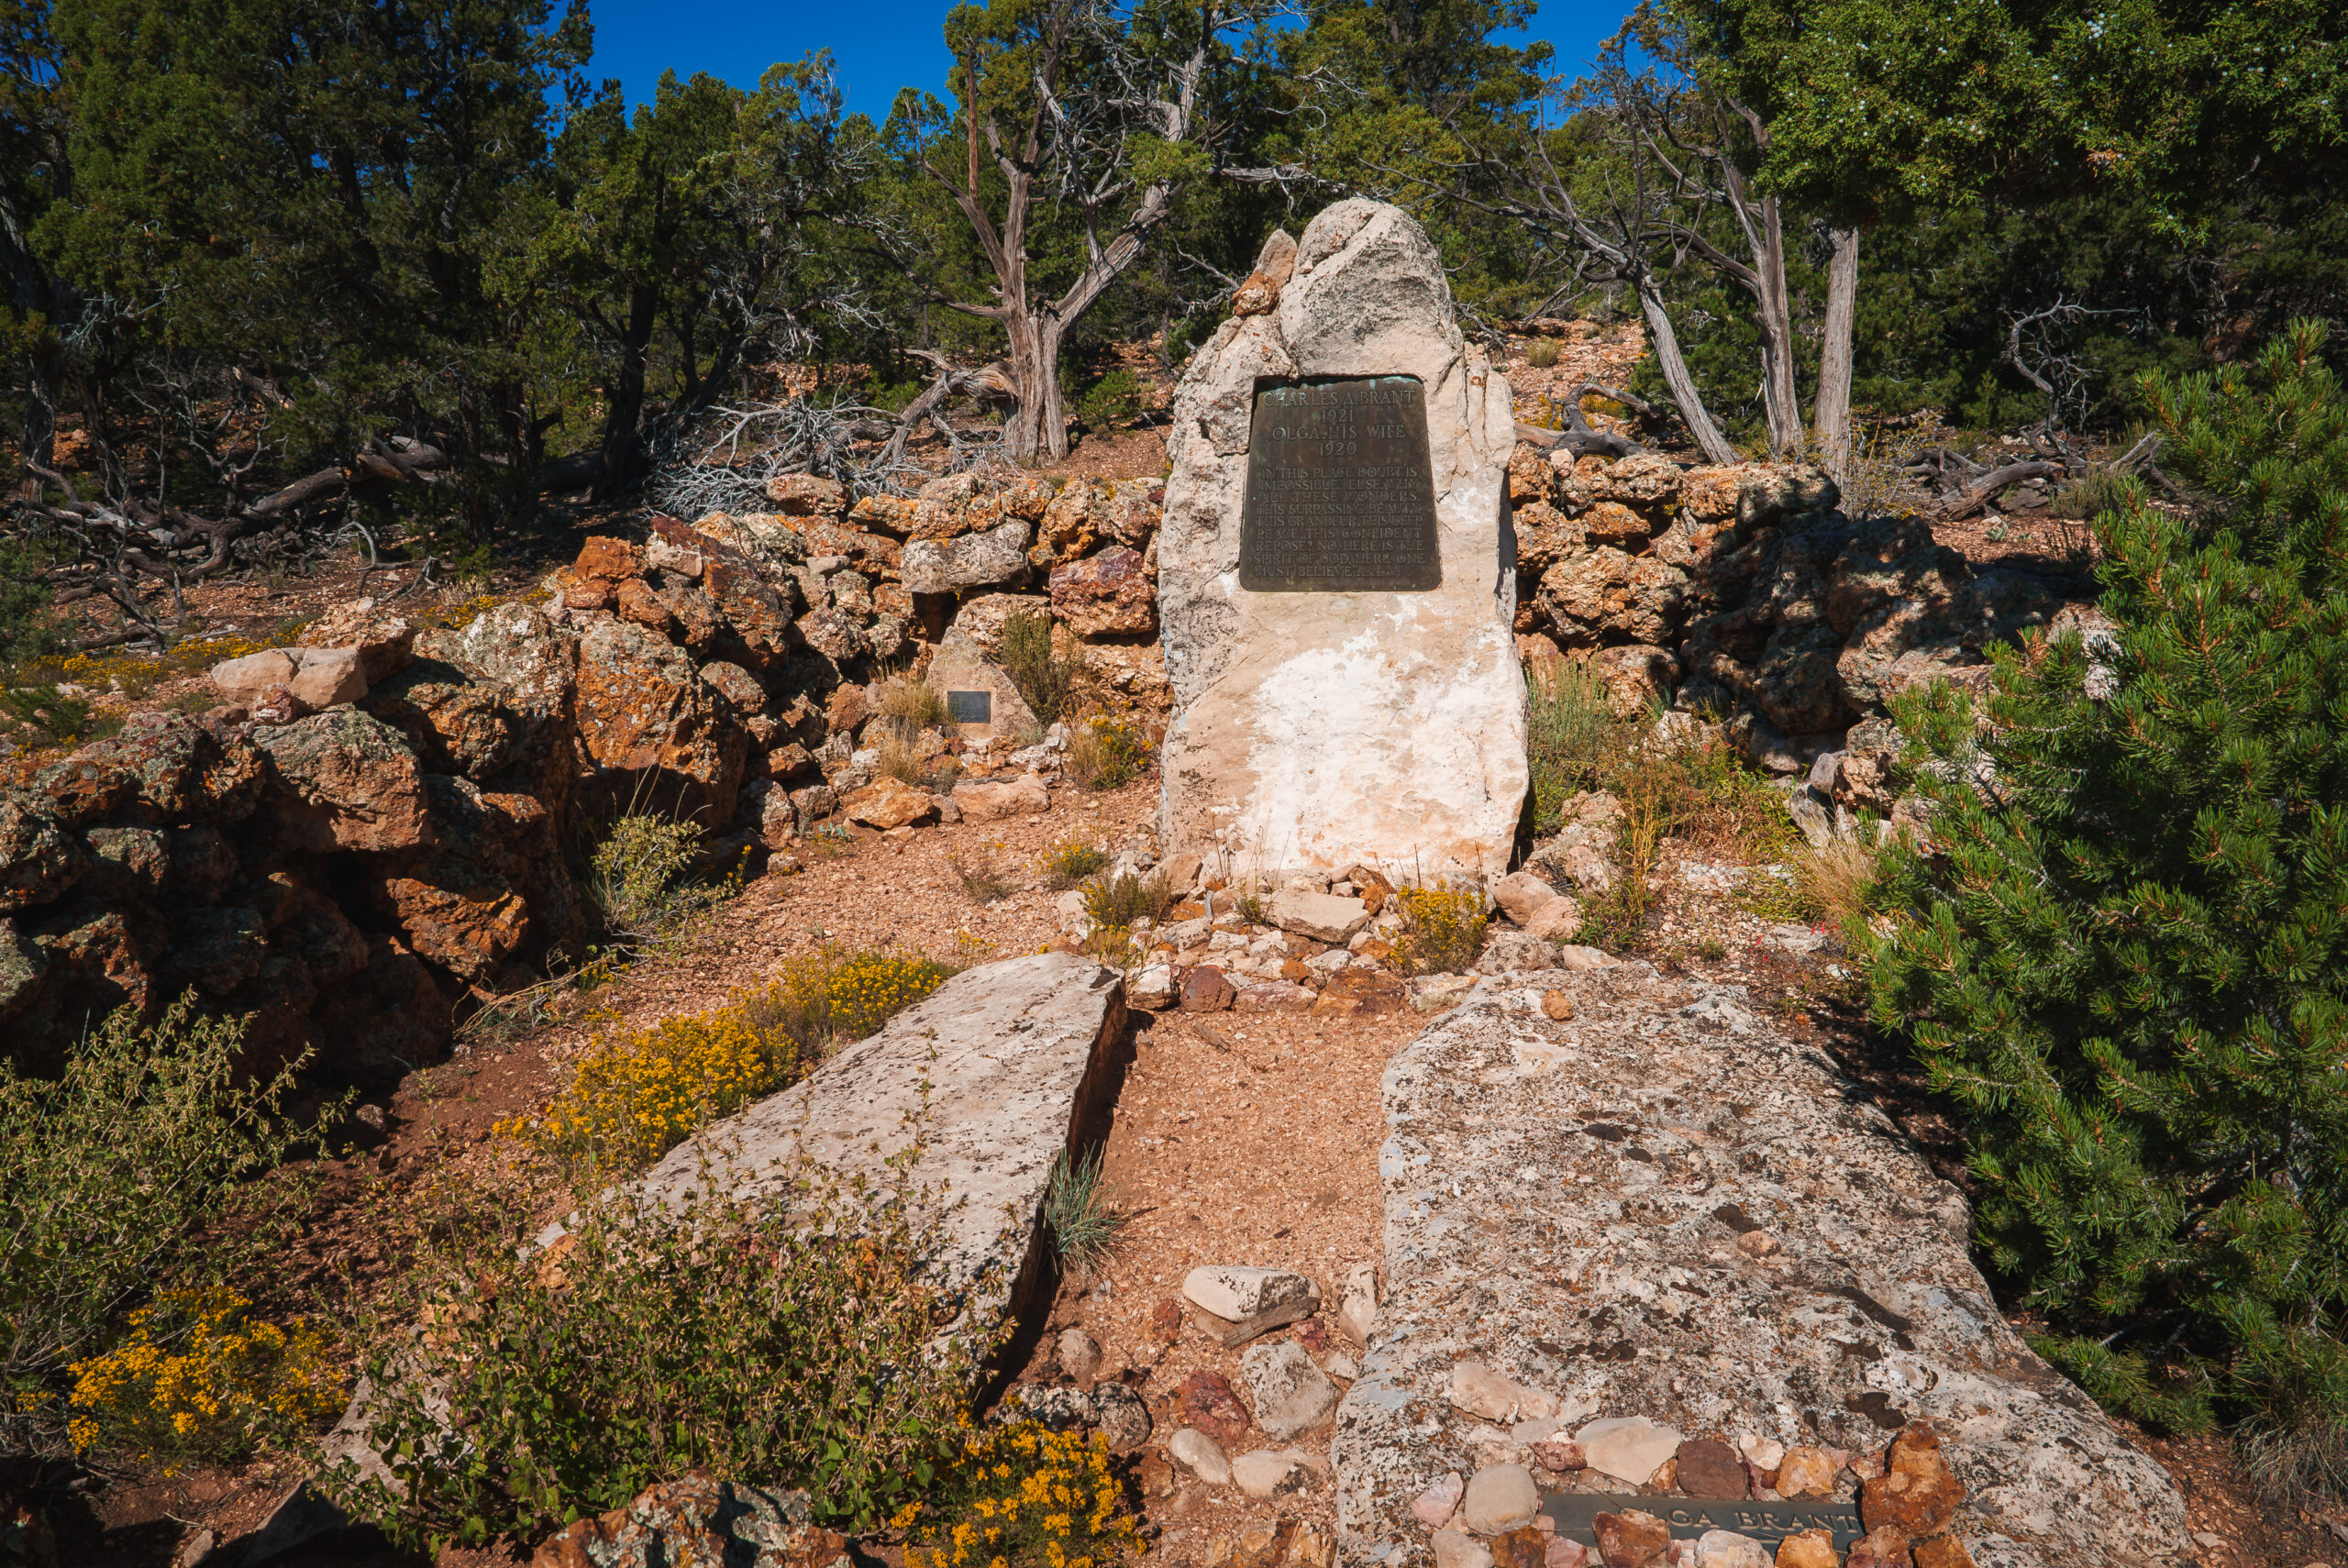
x=1315, y=731
x=1200, y=1455
x=1321, y=916
x=1234, y=1291
x=1013, y=1057
x=1290, y=1395
x=1270, y=1472
x=1630, y=1149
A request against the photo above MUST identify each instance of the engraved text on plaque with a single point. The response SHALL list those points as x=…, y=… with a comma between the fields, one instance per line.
x=1340, y=490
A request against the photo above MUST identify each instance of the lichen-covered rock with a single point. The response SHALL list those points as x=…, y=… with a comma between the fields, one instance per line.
x=807, y=495
x=455, y=725
x=643, y=710
x=1606, y=596
x=381, y=640
x=1105, y=595
x=699, y=1519
x=344, y=779
x=968, y=560
x=1626, y=1149
x=38, y=860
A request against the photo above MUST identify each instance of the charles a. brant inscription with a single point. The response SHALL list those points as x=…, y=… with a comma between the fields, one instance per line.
x=1340, y=490
x=1768, y=1523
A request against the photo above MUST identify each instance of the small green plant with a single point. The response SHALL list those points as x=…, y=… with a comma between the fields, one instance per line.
x=980, y=872
x=1443, y=930
x=1105, y=753
x=790, y=1337
x=1836, y=882
x=1710, y=949
x=2091, y=495
x=910, y=706
x=153, y=1134
x=1081, y=1224
x=646, y=883
x=1571, y=735
x=1045, y=675
x=1071, y=861
x=1542, y=354
x=1118, y=903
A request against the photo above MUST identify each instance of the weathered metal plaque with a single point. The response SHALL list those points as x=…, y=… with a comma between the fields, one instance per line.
x=970, y=707
x=1768, y=1523
x=1340, y=490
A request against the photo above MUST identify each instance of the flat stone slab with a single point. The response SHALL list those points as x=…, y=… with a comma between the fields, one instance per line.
x=1661, y=1208
x=1001, y=1068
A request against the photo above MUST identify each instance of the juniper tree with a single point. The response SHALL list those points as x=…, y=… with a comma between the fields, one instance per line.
x=2124, y=952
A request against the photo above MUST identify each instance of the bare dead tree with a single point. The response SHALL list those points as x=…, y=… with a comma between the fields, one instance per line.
x=1576, y=435
x=1082, y=94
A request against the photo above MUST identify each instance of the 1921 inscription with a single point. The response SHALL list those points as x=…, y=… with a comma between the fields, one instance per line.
x=1340, y=490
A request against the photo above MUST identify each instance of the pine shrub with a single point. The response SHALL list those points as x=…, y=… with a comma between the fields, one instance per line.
x=2123, y=954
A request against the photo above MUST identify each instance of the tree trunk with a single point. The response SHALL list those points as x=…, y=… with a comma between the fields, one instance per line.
x=1832, y=416
x=1674, y=365
x=1779, y=396
x=1038, y=427
x=626, y=409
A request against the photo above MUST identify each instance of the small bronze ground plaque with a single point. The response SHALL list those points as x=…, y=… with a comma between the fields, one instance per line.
x=1688, y=1518
x=969, y=707
x=1340, y=490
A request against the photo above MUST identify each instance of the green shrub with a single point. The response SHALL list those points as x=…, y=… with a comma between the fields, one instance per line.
x=791, y=1341
x=2125, y=959
x=646, y=882
x=1116, y=903
x=1570, y=736
x=27, y=630
x=1542, y=355
x=1105, y=753
x=150, y=1135
x=45, y=717
x=910, y=706
x=1044, y=675
x=1071, y=861
x=1114, y=400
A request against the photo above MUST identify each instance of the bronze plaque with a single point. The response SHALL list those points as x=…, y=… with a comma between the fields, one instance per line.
x=1768, y=1523
x=1340, y=490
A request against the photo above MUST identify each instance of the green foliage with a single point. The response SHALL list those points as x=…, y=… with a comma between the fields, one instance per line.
x=1112, y=401
x=1078, y=1222
x=646, y=882
x=150, y=1136
x=791, y=1339
x=1570, y=736
x=44, y=715
x=2126, y=959
x=1105, y=753
x=1114, y=903
x=1071, y=861
x=25, y=630
x=1042, y=673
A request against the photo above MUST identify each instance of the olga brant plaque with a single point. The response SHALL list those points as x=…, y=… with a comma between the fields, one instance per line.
x=1340, y=490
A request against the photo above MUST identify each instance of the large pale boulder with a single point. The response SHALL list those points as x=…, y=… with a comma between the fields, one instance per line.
x=1315, y=730
x=969, y=560
x=998, y=1074
x=1753, y=1249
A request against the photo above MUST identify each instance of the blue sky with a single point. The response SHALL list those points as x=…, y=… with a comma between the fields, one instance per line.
x=880, y=46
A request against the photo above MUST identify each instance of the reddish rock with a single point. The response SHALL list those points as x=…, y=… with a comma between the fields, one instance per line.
x=1882, y=1547
x=1165, y=1319
x=1362, y=992
x=1605, y=596
x=382, y=641
x=1631, y=1538
x=1526, y=1547
x=343, y=780
x=807, y=495
x=1917, y=1495
x=1560, y=1455
x=38, y=860
x=1068, y=527
x=1808, y=1549
x=635, y=601
x=384, y=1021
x=1710, y=1468
x=1313, y=1334
x=1941, y=1551
x=641, y=710
x=892, y=515
x=1208, y=1403
x=755, y=614
x=888, y=803
x=1204, y=988
x=455, y=726
x=1109, y=594
x=1022, y=797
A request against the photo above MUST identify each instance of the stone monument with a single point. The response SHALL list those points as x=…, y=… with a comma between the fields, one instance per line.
x=1334, y=582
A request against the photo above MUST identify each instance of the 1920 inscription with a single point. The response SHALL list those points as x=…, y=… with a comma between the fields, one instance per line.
x=1340, y=490
x=1769, y=1523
